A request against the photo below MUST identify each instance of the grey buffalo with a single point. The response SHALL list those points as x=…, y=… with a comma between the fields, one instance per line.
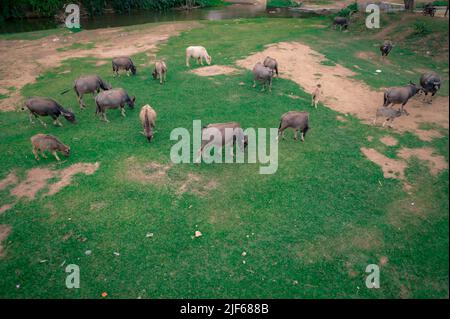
x=342, y=22
x=263, y=75
x=297, y=120
x=388, y=114
x=123, y=63
x=44, y=142
x=386, y=48
x=88, y=84
x=43, y=106
x=271, y=64
x=235, y=134
x=400, y=95
x=430, y=83
x=113, y=99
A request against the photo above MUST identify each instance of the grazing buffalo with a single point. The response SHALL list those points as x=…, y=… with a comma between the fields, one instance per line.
x=297, y=120
x=263, y=75
x=88, y=84
x=160, y=71
x=389, y=114
x=199, y=53
x=386, y=48
x=342, y=22
x=43, y=106
x=430, y=83
x=123, y=63
x=44, y=142
x=400, y=95
x=271, y=64
x=113, y=99
x=148, y=118
x=236, y=134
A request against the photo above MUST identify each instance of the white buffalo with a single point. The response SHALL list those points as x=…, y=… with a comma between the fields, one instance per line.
x=199, y=53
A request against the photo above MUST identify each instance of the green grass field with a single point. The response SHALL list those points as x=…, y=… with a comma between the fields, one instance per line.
x=308, y=231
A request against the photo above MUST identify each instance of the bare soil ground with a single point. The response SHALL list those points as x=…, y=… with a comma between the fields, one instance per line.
x=158, y=174
x=341, y=92
x=389, y=140
x=30, y=58
x=4, y=233
x=38, y=179
x=395, y=168
x=214, y=70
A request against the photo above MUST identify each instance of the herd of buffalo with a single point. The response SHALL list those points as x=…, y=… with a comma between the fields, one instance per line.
x=112, y=98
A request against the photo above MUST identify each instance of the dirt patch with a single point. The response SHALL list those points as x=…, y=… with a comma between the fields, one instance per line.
x=195, y=184
x=389, y=140
x=9, y=180
x=5, y=230
x=395, y=168
x=5, y=207
x=301, y=64
x=153, y=173
x=392, y=168
x=38, y=179
x=214, y=70
x=158, y=174
x=435, y=163
x=341, y=119
x=36, y=56
x=65, y=175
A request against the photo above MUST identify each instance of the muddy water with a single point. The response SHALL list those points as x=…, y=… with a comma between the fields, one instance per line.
x=238, y=9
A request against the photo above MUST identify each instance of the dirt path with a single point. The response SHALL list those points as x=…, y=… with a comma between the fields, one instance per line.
x=301, y=64
x=31, y=58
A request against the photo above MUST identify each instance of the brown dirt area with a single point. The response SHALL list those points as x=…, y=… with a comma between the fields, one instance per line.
x=392, y=168
x=4, y=233
x=301, y=64
x=36, y=56
x=389, y=140
x=158, y=174
x=436, y=163
x=214, y=70
x=38, y=179
x=395, y=168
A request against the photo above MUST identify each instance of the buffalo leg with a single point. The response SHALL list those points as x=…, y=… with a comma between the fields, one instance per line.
x=56, y=156
x=122, y=111
x=254, y=84
x=36, y=156
x=40, y=121
x=31, y=118
x=187, y=61
x=57, y=121
x=404, y=110
x=103, y=115
x=43, y=154
x=295, y=134
x=302, y=136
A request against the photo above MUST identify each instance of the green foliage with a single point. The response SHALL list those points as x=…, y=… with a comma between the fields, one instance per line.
x=347, y=11
x=437, y=3
x=48, y=8
x=282, y=3
x=421, y=28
